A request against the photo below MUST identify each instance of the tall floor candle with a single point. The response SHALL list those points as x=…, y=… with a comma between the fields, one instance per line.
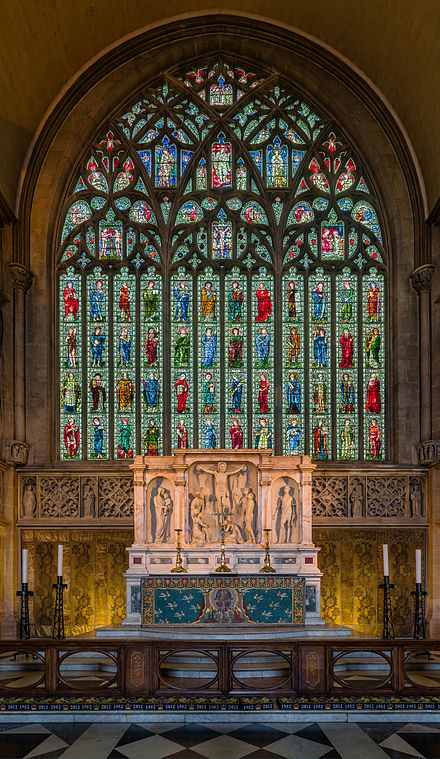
x=418, y=566
x=386, y=568
x=24, y=566
x=60, y=561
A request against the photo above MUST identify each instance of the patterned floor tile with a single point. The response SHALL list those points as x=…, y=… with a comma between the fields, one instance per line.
x=48, y=746
x=426, y=744
x=259, y=735
x=224, y=747
x=134, y=733
x=314, y=733
x=186, y=753
x=14, y=746
x=398, y=744
x=295, y=747
x=191, y=734
x=155, y=746
x=34, y=727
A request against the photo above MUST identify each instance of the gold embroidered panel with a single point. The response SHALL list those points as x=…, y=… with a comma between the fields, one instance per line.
x=94, y=563
x=352, y=563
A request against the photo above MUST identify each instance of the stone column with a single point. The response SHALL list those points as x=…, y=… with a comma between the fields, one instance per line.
x=17, y=450
x=421, y=282
x=307, y=468
x=140, y=526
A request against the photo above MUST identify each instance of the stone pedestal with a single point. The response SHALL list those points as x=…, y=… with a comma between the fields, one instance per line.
x=193, y=490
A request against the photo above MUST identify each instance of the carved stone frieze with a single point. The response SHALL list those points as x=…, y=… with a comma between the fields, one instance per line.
x=59, y=497
x=369, y=496
x=329, y=496
x=386, y=496
x=344, y=496
x=85, y=497
x=115, y=497
x=15, y=451
x=421, y=278
x=428, y=452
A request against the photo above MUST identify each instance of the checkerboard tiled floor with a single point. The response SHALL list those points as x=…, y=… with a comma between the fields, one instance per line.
x=220, y=740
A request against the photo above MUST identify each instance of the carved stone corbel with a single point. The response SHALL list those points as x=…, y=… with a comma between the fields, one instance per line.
x=421, y=278
x=428, y=452
x=22, y=277
x=15, y=452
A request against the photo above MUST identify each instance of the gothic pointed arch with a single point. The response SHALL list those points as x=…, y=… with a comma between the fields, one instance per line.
x=222, y=263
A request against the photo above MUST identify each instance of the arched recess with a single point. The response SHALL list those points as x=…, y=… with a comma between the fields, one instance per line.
x=312, y=70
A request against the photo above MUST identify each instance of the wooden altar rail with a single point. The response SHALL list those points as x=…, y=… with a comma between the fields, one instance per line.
x=305, y=667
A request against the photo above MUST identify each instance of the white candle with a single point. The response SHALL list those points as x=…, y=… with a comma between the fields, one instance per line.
x=267, y=515
x=60, y=561
x=179, y=512
x=418, y=566
x=386, y=568
x=24, y=566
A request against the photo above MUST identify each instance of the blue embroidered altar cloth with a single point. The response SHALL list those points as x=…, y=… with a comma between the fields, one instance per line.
x=198, y=600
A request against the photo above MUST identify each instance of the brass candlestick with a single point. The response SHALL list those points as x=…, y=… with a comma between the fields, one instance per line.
x=267, y=567
x=179, y=567
x=222, y=567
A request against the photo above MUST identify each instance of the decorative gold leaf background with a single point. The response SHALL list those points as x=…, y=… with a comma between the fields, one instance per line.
x=95, y=562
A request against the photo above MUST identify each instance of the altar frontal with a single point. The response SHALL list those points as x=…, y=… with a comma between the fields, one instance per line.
x=223, y=600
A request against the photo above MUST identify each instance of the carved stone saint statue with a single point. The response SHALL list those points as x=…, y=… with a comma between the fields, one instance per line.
x=221, y=476
x=285, y=516
x=199, y=526
x=163, y=509
x=29, y=502
x=248, y=505
x=89, y=500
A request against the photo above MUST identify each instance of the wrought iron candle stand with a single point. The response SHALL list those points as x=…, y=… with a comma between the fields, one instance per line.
x=267, y=567
x=58, y=617
x=25, y=626
x=388, y=625
x=419, y=611
x=179, y=566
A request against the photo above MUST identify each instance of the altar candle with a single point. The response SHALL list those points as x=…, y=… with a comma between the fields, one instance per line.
x=24, y=566
x=386, y=568
x=179, y=512
x=267, y=511
x=418, y=566
x=60, y=561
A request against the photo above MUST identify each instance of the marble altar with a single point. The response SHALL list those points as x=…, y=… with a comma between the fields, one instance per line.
x=253, y=489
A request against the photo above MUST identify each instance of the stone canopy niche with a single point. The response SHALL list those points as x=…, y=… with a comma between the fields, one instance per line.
x=255, y=490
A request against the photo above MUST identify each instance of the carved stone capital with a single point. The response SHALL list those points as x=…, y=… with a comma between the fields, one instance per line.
x=15, y=451
x=421, y=278
x=21, y=276
x=428, y=452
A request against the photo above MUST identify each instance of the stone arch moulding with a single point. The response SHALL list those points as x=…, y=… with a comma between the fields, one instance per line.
x=106, y=84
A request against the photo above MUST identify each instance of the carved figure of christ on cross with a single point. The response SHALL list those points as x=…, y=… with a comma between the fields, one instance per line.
x=221, y=476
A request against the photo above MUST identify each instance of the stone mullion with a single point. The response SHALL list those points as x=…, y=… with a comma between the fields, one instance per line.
x=22, y=280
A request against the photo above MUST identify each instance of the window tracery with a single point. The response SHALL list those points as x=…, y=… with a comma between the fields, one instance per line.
x=221, y=278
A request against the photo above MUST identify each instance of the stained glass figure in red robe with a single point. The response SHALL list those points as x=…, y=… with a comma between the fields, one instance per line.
x=374, y=404
x=346, y=343
x=264, y=307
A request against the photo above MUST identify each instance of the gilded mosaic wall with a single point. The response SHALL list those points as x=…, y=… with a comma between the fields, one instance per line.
x=94, y=563
x=352, y=563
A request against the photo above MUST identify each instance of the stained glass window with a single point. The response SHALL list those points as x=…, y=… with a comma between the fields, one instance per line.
x=222, y=278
